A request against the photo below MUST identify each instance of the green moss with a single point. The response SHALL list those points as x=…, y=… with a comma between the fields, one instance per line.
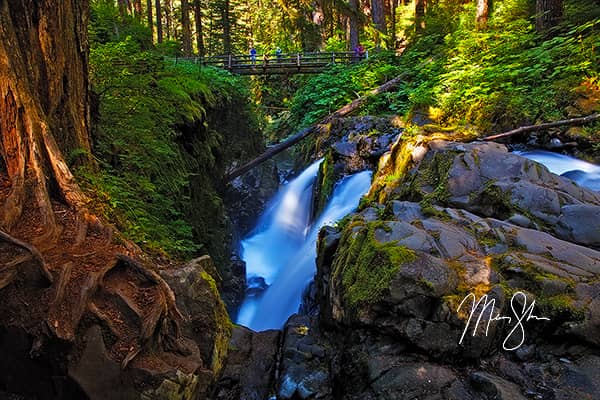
x=365, y=266
x=528, y=270
x=426, y=284
x=326, y=182
x=223, y=326
x=436, y=174
x=561, y=308
x=475, y=153
x=430, y=211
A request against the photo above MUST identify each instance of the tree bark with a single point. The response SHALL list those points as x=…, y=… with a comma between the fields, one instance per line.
x=393, y=7
x=150, y=17
x=122, y=8
x=547, y=125
x=378, y=16
x=169, y=19
x=186, y=28
x=159, y=26
x=483, y=13
x=353, y=24
x=44, y=106
x=199, y=32
x=548, y=14
x=137, y=8
x=44, y=114
x=226, y=27
x=420, y=14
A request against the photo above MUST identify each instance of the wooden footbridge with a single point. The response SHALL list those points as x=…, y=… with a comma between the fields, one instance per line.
x=266, y=64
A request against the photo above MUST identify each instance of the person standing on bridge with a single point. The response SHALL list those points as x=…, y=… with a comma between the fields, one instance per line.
x=253, y=55
x=278, y=54
x=359, y=51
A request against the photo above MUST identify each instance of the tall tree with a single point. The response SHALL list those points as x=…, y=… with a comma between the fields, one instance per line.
x=43, y=106
x=353, y=23
x=226, y=21
x=122, y=8
x=185, y=26
x=149, y=16
x=378, y=16
x=548, y=14
x=393, y=5
x=483, y=13
x=199, y=31
x=159, y=26
x=168, y=12
x=420, y=14
x=137, y=8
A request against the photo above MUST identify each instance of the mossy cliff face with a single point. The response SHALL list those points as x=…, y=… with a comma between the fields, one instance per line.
x=449, y=220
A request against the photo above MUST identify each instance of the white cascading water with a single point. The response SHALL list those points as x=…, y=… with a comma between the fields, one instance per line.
x=282, y=248
x=584, y=173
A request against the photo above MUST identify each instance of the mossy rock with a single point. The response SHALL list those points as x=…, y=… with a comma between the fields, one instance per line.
x=325, y=183
x=208, y=322
x=366, y=267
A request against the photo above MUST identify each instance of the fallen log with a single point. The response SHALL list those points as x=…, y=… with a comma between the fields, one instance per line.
x=341, y=112
x=547, y=125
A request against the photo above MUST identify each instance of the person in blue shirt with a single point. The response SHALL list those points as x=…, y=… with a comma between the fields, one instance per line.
x=253, y=55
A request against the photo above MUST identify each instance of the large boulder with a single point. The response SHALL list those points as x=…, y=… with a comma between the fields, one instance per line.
x=448, y=224
x=249, y=371
x=198, y=300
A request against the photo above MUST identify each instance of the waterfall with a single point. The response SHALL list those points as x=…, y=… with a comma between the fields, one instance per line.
x=584, y=173
x=280, y=252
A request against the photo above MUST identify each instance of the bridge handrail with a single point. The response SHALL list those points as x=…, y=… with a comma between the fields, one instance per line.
x=230, y=60
x=307, y=62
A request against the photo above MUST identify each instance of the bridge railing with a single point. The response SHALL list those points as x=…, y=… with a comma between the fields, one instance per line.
x=240, y=62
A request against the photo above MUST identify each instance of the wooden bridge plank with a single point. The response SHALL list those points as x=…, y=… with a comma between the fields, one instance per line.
x=265, y=64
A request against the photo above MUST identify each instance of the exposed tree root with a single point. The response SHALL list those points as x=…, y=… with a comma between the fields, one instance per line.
x=10, y=269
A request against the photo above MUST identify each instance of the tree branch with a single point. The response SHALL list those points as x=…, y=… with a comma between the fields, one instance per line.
x=547, y=125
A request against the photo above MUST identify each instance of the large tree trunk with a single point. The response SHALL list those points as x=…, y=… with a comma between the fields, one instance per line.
x=548, y=14
x=199, y=32
x=393, y=7
x=159, y=29
x=226, y=27
x=137, y=8
x=420, y=14
x=378, y=15
x=483, y=13
x=44, y=101
x=353, y=24
x=187, y=31
x=150, y=17
x=69, y=293
x=55, y=272
x=169, y=19
x=122, y=8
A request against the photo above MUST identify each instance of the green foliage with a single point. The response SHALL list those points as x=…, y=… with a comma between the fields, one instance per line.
x=503, y=76
x=106, y=25
x=161, y=147
x=326, y=92
x=495, y=78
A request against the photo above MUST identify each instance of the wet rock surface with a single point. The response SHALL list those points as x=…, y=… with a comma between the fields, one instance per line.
x=477, y=220
x=462, y=219
x=251, y=364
